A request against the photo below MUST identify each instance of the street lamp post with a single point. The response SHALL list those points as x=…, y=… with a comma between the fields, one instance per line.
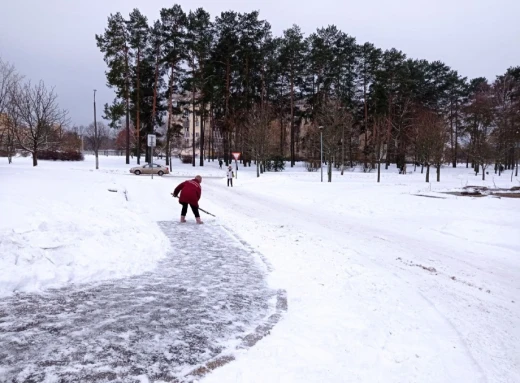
x=95, y=133
x=321, y=151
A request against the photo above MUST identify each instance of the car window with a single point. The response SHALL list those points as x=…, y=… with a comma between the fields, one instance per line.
x=145, y=166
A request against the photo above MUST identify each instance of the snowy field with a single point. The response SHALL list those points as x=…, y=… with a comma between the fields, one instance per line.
x=383, y=285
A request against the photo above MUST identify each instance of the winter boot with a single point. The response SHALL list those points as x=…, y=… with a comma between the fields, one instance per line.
x=199, y=221
x=183, y=219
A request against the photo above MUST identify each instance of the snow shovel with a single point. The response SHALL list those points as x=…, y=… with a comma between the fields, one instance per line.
x=202, y=210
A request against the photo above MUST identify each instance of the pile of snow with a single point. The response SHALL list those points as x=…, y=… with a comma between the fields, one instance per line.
x=60, y=225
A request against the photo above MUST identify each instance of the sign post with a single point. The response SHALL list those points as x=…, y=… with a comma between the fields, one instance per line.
x=151, y=144
x=236, y=156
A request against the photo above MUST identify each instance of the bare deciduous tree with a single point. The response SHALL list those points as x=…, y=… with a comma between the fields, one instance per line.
x=258, y=127
x=38, y=113
x=479, y=124
x=378, y=141
x=431, y=140
x=336, y=121
x=9, y=80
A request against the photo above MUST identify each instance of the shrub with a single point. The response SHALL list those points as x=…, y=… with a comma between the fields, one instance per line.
x=312, y=166
x=60, y=156
x=187, y=159
x=278, y=163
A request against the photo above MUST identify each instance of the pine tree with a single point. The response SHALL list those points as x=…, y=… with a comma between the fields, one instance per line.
x=227, y=27
x=369, y=63
x=478, y=124
x=198, y=47
x=115, y=45
x=292, y=57
x=457, y=94
x=138, y=29
x=154, y=54
x=173, y=23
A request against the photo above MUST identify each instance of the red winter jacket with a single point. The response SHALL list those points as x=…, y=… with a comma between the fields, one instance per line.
x=191, y=192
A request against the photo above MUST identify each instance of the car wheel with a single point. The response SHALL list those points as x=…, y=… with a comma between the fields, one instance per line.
x=160, y=173
x=137, y=172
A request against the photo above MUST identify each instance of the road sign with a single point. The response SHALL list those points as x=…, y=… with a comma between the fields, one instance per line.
x=236, y=156
x=151, y=140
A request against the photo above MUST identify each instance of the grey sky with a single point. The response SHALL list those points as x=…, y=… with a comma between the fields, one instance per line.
x=53, y=40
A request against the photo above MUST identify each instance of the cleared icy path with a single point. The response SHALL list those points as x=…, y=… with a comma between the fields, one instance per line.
x=207, y=298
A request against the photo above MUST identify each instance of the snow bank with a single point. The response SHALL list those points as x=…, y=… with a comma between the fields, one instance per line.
x=59, y=226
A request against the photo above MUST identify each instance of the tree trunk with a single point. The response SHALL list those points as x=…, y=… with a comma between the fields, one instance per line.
x=127, y=99
x=483, y=173
x=428, y=173
x=350, y=149
x=138, y=112
x=227, y=135
x=193, y=123
x=456, y=153
x=379, y=170
x=212, y=130
x=329, y=170
x=154, y=102
x=292, y=117
x=389, y=133
x=438, y=172
x=201, y=159
x=366, y=119
x=452, y=135
x=9, y=148
x=282, y=135
x=35, y=157
x=168, y=143
x=343, y=150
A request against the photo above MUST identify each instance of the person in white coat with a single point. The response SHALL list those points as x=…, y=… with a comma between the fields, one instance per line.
x=230, y=175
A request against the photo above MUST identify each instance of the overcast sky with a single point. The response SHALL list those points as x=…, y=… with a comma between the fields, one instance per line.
x=53, y=40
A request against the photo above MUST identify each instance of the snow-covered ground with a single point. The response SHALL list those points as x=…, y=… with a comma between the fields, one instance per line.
x=59, y=223
x=382, y=285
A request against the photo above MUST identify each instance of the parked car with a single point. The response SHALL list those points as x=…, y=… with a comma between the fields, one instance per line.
x=147, y=169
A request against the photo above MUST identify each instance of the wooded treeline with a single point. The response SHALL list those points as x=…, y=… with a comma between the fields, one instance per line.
x=233, y=64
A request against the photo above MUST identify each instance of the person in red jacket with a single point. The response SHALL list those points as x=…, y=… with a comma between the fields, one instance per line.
x=190, y=194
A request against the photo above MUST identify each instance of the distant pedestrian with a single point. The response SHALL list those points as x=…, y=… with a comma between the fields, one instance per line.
x=230, y=175
x=190, y=195
x=220, y=163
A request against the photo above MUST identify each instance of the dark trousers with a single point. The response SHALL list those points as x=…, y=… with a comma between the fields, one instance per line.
x=194, y=209
x=230, y=182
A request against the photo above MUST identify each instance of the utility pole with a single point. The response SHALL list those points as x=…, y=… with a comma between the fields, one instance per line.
x=96, y=141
